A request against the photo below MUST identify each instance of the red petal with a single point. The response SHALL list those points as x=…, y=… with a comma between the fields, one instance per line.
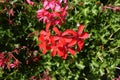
x=52, y=40
x=60, y=52
x=53, y=53
x=80, y=29
x=72, y=43
x=69, y=32
x=62, y=41
x=67, y=39
x=55, y=29
x=48, y=26
x=84, y=35
x=43, y=48
x=80, y=44
x=56, y=38
x=56, y=14
x=48, y=47
x=41, y=38
x=71, y=51
x=43, y=32
x=65, y=56
x=46, y=35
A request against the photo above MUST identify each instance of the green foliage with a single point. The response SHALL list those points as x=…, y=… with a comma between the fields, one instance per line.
x=98, y=59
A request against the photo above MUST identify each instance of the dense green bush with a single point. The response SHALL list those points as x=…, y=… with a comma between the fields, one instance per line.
x=99, y=59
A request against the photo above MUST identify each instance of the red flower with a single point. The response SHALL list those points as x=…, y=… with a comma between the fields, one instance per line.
x=62, y=43
x=52, y=12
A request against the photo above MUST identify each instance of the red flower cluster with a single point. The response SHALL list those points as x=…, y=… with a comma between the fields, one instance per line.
x=62, y=42
x=8, y=60
x=53, y=11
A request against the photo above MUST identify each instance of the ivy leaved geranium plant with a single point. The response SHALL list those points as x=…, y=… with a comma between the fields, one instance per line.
x=53, y=13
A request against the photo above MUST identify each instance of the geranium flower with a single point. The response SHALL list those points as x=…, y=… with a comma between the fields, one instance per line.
x=62, y=42
x=52, y=12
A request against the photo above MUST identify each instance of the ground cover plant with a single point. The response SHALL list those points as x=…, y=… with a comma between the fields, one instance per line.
x=59, y=39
